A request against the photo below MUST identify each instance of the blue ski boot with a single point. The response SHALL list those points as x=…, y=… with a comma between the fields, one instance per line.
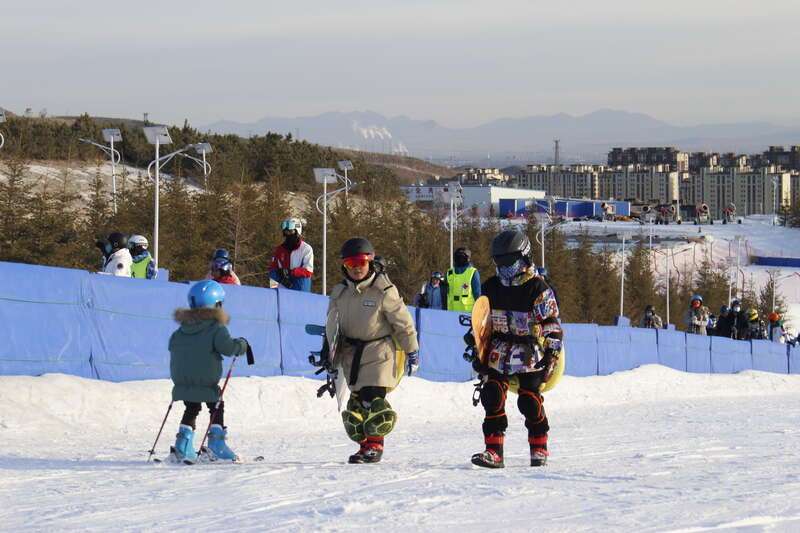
x=217, y=446
x=184, y=445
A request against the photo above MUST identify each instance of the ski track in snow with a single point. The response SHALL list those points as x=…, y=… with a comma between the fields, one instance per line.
x=646, y=450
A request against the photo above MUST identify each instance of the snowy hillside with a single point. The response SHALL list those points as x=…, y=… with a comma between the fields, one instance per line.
x=647, y=450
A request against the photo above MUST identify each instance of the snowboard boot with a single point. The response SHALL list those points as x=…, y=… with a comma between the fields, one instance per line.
x=371, y=451
x=184, y=445
x=217, y=446
x=380, y=420
x=492, y=457
x=353, y=419
x=538, y=450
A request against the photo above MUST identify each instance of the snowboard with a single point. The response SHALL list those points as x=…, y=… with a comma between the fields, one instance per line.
x=481, y=320
x=336, y=378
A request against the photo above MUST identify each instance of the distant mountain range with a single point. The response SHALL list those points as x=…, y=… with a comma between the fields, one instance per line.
x=508, y=140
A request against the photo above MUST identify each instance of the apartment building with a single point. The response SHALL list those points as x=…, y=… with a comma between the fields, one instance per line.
x=675, y=159
x=786, y=159
x=575, y=181
x=752, y=191
x=483, y=176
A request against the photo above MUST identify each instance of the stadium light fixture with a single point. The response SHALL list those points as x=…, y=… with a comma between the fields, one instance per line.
x=111, y=136
x=202, y=149
x=156, y=135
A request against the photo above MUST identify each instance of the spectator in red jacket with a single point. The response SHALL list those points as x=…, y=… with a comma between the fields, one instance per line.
x=293, y=260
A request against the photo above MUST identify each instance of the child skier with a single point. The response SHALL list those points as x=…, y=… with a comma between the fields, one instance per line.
x=195, y=366
x=370, y=316
x=524, y=348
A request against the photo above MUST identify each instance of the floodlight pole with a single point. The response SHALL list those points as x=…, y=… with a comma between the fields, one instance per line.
x=452, y=230
x=544, y=223
x=155, y=220
x=666, y=264
x=346, y=182
x=113, y=176
x=621, y=276
x=325, y=236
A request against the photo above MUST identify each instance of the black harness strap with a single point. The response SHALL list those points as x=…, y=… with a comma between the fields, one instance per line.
x=360, y=345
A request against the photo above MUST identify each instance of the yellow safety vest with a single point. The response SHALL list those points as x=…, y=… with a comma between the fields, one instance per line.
x=139, y=270
x=459, y=290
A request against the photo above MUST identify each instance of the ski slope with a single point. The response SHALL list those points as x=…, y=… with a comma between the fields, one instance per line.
x=647, y=450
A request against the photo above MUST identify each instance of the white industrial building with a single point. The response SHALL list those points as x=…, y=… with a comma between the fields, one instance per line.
x=487, y=199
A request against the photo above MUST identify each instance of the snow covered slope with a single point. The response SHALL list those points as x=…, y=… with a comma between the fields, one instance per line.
x=647, y=450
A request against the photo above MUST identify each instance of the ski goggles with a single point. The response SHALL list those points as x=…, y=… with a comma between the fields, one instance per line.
x=290, y=225
x=506, y=259
x=357, y=261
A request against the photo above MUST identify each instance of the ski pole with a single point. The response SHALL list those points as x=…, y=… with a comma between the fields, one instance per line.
x=163, y=422
x=216, y=406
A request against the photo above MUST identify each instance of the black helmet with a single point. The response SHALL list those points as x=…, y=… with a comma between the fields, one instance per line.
x=510, y=245
x=357, y=246
x=221, y=253
x=461, y=257
x=118, y=241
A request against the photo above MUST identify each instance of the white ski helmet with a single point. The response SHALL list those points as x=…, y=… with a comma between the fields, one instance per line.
x=292, y=224
x=138, y=240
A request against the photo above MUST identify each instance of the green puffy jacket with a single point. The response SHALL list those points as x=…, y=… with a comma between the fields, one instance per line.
x=196, y=350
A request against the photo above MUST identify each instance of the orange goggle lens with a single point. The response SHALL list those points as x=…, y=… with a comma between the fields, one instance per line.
x=357, y=261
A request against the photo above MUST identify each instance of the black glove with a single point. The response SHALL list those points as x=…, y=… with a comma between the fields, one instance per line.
x=469, y=339
x=286, y=279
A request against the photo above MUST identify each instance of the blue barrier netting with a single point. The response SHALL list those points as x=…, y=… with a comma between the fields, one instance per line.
x=117, y=329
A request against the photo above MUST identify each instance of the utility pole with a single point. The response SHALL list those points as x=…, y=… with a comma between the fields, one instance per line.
x=556, y=152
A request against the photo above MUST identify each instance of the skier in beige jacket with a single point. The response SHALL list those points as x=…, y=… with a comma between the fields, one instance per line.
x=373, y=323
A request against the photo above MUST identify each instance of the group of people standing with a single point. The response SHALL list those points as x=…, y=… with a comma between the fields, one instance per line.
x=733, y=321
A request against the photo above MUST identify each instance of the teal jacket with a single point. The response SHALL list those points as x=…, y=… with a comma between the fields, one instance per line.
x=196, y=349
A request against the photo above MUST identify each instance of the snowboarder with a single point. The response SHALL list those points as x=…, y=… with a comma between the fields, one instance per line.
x=524, y=347
x=143, y=266
x=650, y=319
x=463, y=282
x=196, y=349
x=117, y=257
x=293, y=260
x=372, y=321
x=221, y=255
x=433, y=294
x=697, y=316
x=725, y=323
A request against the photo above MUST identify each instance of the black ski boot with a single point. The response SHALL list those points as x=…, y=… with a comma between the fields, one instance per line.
x=371, y=451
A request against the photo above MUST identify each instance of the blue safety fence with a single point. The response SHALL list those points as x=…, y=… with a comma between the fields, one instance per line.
x=117, y=329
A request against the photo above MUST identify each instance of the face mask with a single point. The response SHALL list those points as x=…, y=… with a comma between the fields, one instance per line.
x=736, y=309
x=292, y=240
x=508, y=273
x=648, y=314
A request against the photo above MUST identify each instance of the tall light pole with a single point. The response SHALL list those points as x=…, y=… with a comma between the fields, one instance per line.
x=156, y=135
x=775, y=203
x=111, y=136
x=345, y=165
x=326, y=176
x=2, y=119
x=202, y=149
x=622, y=276
x=666, y=273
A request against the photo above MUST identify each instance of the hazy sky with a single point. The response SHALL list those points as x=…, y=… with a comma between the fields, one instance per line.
x=458, y=62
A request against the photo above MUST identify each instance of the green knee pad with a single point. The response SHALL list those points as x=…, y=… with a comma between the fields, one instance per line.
x=353, y=419
x=380, y=420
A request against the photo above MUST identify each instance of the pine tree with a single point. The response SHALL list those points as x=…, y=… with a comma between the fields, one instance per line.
x=640, y=286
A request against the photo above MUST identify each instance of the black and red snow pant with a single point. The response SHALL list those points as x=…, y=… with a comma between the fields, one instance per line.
x=529, y=402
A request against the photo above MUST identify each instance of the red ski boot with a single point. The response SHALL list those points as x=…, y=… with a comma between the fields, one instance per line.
x=492, y=457
x=371, y=451
x=538, y=450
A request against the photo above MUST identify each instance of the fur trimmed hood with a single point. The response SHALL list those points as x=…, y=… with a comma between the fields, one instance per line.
x=187, y=317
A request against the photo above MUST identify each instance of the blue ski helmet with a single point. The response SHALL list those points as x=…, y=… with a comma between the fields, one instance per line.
x=221, y=253
x=206, y=293
x=542, y=271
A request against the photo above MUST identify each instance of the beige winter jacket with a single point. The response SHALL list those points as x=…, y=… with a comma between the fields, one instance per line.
x=370, y=310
